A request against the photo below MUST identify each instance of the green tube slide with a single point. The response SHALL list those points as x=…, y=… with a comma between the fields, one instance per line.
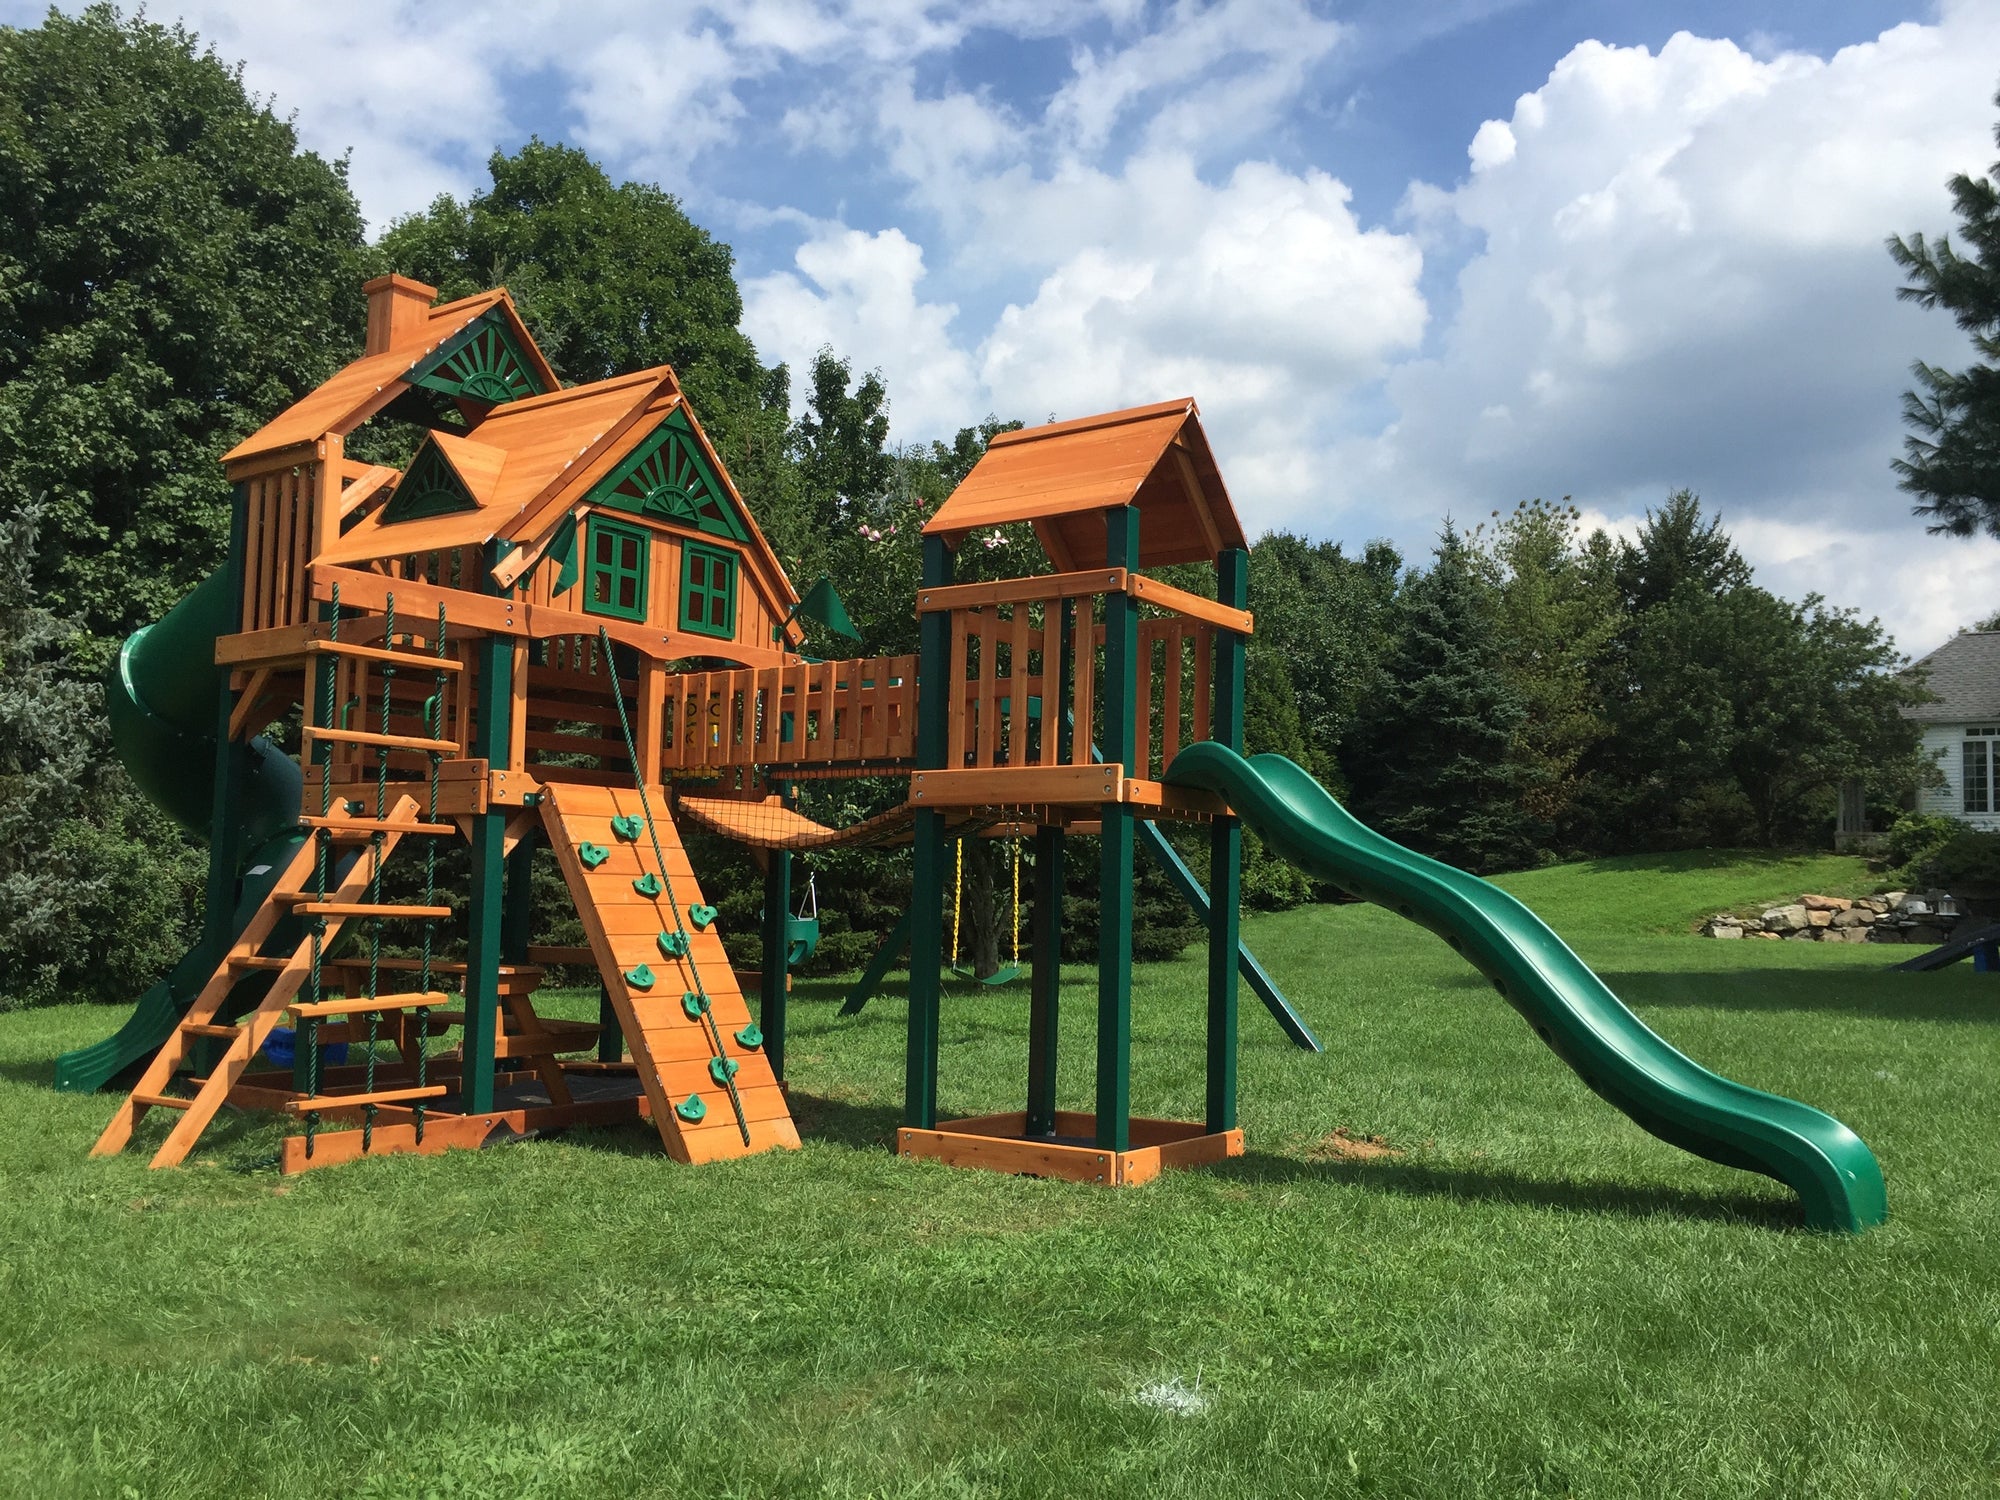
x=161, y=696
x=1835, y=1175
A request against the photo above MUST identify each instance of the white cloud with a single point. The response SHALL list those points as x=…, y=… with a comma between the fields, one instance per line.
x=859, y=293
x=1681, y=280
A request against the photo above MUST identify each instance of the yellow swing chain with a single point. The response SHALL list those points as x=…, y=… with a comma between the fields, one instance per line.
x=957, y=896
x=1017, y=901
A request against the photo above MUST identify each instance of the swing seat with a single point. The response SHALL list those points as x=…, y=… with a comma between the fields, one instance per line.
x=1005, y=974
x=801, y=939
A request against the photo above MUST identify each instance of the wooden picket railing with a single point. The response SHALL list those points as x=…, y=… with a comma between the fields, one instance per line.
x=1027, y=665
x=838, y=713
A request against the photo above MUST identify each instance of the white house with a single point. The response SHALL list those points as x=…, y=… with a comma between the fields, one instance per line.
x=1962, y=727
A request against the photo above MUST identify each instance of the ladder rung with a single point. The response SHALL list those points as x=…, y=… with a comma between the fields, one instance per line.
x=256, y=961
x=199, y=1028
x=414, y=1000
x=352, y=1101
x=377, y=653
x=368, y=827
x=303, y=903
x=163, y=1101
x=385, y=741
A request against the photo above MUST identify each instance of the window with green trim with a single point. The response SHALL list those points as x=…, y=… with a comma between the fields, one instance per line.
x=615, y=569
x=708, y=590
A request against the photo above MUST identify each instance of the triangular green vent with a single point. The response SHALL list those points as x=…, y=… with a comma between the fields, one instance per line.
x=481, y=363
x=430, y=488
x=668, y=477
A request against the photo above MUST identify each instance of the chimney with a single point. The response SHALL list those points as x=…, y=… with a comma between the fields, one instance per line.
x=396, y=309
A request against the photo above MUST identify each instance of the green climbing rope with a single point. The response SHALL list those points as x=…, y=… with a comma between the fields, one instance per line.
x=623, y=827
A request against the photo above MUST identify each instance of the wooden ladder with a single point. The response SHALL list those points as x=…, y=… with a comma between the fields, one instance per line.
x=246, y=1038
x=673, y=1050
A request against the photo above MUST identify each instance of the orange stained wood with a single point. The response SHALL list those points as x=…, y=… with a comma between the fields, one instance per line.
x=670, y=1050
x=364, y=387
x=995, y=1143
x=517, y=455
x=1063, y=477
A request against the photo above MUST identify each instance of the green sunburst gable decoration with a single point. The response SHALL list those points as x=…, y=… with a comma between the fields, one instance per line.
x=481, y=362
x=669, y=478
x=430, y=488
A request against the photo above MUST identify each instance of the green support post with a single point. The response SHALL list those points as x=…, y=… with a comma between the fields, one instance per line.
x=1225, y=851
x=1045, y=980
x=777, y=906
x=490, y=742
x=610, y=1035
x=928, y=866
x=1115, y=873
x=886, y=953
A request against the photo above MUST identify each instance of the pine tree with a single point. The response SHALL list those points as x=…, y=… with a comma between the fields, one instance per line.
x=1435, y=765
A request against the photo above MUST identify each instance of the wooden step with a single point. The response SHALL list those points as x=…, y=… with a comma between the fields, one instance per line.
x=228, y=1033
x=361, y=1006
x=368, y=827
x=303, y=903
x=413, y=659
x=381, y=741
x=256, y=961
x=162, y=1101
x=354, y=1101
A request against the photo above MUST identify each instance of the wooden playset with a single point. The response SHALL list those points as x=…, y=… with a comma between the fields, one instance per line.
x=558, y=625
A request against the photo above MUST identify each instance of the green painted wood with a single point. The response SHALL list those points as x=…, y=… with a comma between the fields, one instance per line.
x=920, y=1072
x=1225, y=853
x=886, y=953
x=1114, y=888
x=777, y=954
x=431, y=487
x=480, y=362
x=1045, y=981
x=491, y=734
x=668, y=478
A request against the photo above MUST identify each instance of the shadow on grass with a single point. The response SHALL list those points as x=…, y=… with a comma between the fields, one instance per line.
x=40, y=1074
x=1682, y=861
x=845, y=1121
x=1844, y=991
x=1416, y=1179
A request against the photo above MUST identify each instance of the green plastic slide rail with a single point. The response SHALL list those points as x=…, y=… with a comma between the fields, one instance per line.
x=1835, y=1175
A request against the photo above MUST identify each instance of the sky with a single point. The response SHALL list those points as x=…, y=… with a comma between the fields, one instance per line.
x=1413, y=260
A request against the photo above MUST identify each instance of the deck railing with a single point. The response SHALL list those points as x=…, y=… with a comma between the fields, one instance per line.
x=1027, y=669
x=813, y=714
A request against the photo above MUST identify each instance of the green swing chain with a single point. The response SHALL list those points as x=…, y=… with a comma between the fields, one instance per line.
x=434, y=727
x=308, y=1035
x=716, y=1047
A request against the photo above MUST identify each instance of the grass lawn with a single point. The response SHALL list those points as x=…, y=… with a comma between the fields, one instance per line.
x=1525, y=1296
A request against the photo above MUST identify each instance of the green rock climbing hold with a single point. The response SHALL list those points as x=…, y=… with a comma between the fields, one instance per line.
x=640, y=978
x=750, y=1036
x=694, y=1005
x=592, y=855
x=629, y=827
x=691, y=1108
x=722, y=1069
x=648, y=884
x=674, y=944
x=701, y=916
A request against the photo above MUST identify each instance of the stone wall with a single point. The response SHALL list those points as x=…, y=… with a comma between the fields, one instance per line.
x=1897, y=917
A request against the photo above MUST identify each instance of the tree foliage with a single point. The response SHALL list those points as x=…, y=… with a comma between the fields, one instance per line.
x=173, y=271
x=1951, y=457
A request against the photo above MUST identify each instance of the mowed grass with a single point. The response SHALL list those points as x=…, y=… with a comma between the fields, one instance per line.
x=1530, y=1297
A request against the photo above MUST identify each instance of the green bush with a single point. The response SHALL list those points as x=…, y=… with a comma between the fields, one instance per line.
x=1968, y=860
x=1915, y=837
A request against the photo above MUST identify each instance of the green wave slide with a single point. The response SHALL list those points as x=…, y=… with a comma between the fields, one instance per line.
x=1571, y=1009
x=161, y=696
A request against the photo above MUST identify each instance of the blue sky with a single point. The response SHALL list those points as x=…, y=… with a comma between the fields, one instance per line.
x=1414, y=260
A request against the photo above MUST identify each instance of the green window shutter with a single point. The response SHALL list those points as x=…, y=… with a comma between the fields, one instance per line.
x=430, y=488
x=614, y=569
x=708, y=590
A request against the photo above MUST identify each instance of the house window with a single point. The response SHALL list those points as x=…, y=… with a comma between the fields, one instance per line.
x=708, y=590
x=1982, y=770
x=615, y=575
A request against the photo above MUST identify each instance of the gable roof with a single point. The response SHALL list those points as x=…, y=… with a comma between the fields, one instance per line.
x=535, y=526
x=514, y=457
x=1964, y=673
x=364, y=387
x=1064, y=476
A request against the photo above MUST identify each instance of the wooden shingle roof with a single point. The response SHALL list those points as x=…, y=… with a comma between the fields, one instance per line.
x=357, y=392
x=1061, y=478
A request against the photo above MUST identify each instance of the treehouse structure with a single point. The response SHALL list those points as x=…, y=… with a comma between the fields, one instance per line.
x=558, y=626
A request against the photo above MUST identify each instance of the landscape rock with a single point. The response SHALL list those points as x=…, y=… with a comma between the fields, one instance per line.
x=1854, y=916
x=1892, y=899
x=1721, y=929
x=1825, y=903
x=1818, y=916
x=1771, y=936
x=1784, y=919
x=1845, y=935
